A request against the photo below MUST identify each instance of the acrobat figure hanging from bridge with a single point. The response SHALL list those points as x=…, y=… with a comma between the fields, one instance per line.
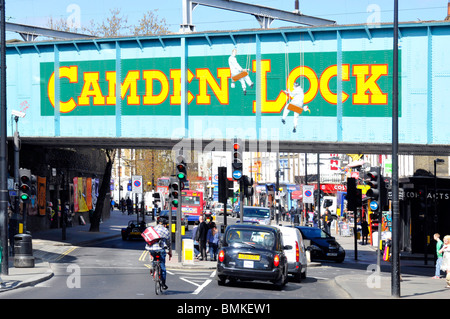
x=295, y=105
x=238, y=73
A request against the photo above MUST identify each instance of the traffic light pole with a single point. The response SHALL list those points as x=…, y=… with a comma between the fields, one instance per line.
x=178, y=225
x=380, y=218
x=170, y=218
x=223, y=191
x=181, y=177
x=241, y=200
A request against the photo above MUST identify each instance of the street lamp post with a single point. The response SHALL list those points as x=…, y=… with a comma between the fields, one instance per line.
x=395, y=275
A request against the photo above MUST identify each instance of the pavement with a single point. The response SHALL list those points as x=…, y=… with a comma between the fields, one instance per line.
x=363, y=283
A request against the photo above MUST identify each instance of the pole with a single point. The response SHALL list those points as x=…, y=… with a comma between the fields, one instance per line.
x=395, y=274
x=355, y=233
x=277, y=187
x=3, y=149
x=380, y=218
x=241, y=200
x=380, y=227
x=178, y=225
x=169, y=215
x=13, y=222
x=318, y=189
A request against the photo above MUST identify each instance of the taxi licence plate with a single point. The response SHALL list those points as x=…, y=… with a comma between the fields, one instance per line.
x=332, y=254
x=135, y=233
x=248, y=257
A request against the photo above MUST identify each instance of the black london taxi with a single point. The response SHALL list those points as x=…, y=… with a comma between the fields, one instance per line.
x=252, y=252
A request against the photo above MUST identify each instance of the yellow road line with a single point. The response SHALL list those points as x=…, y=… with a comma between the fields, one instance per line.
x=143, y=255
x=68, y=251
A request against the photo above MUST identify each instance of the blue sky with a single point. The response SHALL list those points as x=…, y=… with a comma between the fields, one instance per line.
x=38, y=12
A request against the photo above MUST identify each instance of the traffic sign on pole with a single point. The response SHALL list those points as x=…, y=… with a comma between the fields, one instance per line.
x=308, y=192
x=136, y=184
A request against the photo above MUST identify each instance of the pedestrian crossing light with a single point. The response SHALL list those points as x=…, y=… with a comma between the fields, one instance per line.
x=24, y=184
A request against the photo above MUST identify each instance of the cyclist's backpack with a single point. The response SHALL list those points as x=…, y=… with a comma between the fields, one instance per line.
x=150, y=235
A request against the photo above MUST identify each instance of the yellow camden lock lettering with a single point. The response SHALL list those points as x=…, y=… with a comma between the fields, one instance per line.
x=366, y=76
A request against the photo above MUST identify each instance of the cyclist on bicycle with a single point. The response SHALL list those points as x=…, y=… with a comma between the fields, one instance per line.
x=161, y=246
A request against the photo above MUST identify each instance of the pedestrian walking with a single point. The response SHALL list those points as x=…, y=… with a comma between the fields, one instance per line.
x=129, y=206
x=327, y=221
x=283, y=213
x=439, y=244
x=364, y=231
x=213, y=242
x=123, y=205
x=202, y=232
x=194, y=235
x=446, y=259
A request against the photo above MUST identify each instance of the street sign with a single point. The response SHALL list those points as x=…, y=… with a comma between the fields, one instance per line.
x=136, y=184
x=308, y=194
x=237, y=174
x=373, y=205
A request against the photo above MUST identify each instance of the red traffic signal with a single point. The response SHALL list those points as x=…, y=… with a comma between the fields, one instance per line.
x=237, y=151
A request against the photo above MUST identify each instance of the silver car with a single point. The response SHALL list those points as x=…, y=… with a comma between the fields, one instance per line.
x=257, y=215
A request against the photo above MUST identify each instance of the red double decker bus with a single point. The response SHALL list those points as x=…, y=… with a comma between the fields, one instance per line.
x=162, y=185
x=192, y=204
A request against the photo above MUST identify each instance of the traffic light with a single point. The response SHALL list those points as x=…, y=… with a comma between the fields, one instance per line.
x=317, y=193
x=24, y=184
x=174, y=191
x=230, y=188
x=248, y=186
x=181, y=169
x=33, y=186
x=377, y=188
x=424, y=201
x=351, y=194
x=237, y=159
x=223, y=184
x=384, y=201
x=374, y=183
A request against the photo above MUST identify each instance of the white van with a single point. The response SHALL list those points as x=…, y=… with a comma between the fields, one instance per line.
x=296, y=256
x=329, y=202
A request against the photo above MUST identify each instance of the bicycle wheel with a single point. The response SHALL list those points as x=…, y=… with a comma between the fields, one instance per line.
x=157, y=278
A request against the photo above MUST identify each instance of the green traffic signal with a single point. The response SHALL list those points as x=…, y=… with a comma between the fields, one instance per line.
x=24, y=188
x=181, y=175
